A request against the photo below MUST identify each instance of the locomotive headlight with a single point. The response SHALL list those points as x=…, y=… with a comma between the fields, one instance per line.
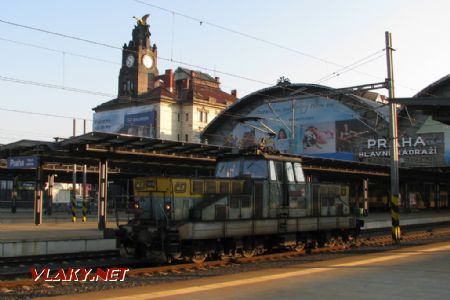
x=168, y=206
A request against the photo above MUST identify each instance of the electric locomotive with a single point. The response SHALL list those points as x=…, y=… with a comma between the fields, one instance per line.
x=256, y=201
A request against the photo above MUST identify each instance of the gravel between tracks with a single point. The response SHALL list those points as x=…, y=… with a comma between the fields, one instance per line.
x=63, y=288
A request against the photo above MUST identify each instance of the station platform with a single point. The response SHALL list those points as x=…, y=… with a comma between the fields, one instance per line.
x=26, y=215
x=19, y=236
x=383, y=220
x=19, y=239
x=58, y=235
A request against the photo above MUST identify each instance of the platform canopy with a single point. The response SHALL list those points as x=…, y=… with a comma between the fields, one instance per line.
x=135, y=156
x=126, y=154
x=437, y=107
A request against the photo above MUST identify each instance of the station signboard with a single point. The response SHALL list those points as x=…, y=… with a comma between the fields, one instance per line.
x=22, y=162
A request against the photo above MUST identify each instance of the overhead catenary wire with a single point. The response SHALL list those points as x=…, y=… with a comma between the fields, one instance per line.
x=42, y=114
x=103, y=44
x=277, y=45
x=159, y=57
x=119, y=48
x=110, y=95
x=59, y=51
x=55, y=86
x=234, y=31
x=145, y=100
x=63, y=52
x=351, y=67
x=202, y=22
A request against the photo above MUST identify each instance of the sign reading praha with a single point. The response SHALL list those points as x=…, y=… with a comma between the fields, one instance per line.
x=22, y=162
x=407, y=146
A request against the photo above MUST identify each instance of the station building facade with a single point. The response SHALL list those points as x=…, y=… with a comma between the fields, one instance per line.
x=176, y=105
x=314, y=120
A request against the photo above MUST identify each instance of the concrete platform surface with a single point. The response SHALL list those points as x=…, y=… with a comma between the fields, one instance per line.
x=46, y=239
x=383, y=220
x=407, y=273
x=66, y=231
x=25, y=239
x=26, y=215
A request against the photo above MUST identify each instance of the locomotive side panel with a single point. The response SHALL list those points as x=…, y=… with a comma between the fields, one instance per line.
x=253, y=200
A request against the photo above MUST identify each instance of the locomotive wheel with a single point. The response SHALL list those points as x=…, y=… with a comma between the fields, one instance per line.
x=332, y=242
x=299, y=247
x=248, y=253
x=198, y=257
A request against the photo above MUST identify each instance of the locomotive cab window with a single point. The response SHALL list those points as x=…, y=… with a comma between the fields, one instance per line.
x=273, y=172
x=255, y=168
x=289, y=172
x=299, y=175
x=279, y=170
x=228, y=169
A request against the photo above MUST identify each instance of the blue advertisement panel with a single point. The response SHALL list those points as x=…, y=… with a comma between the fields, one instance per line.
x=327, y=128
x=22, y=162
x=303, y=126
x=136, y=121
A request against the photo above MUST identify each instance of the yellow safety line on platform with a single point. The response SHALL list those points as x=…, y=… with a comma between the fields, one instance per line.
x=239, y=282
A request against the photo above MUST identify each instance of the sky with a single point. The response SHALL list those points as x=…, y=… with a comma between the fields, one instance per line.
x=305, y=41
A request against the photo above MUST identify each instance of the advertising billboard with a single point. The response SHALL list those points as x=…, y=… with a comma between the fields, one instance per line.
x=325, y=127
x=303, y=126
x=136, y=121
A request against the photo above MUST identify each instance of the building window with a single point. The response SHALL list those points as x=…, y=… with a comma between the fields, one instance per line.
x=187, y=116
x=186, y=136
x=203, y=116
x=178, y=137
x=179, y=119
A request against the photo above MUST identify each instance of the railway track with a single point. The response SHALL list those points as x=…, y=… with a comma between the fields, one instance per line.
x=17, y=267
x=13, y=261
x=380, y=240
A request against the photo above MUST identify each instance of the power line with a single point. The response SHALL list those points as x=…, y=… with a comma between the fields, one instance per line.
x=59, y=51
x=54, y=86
x=110, y=46
x=350, y=67
x=204, y=22
x=171, y=60
x=60, y=34
x=115, y=47
x=184, y=63
x=42, y=114
x=345, y=69
x=277, y=45
x=134, y=99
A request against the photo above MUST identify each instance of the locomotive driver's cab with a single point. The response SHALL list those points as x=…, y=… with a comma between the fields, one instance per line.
x=278, y=182
x=279, y=186
x=270, y=167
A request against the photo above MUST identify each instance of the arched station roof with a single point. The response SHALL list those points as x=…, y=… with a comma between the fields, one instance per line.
x=367, y=108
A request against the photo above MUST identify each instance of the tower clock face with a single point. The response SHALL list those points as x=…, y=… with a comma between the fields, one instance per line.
x=129, y=61
x=147, y=60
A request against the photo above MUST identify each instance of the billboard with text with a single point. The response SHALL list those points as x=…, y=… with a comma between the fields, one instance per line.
x=137, y=121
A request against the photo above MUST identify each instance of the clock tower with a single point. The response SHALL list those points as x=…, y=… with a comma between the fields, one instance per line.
x=139, y=62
